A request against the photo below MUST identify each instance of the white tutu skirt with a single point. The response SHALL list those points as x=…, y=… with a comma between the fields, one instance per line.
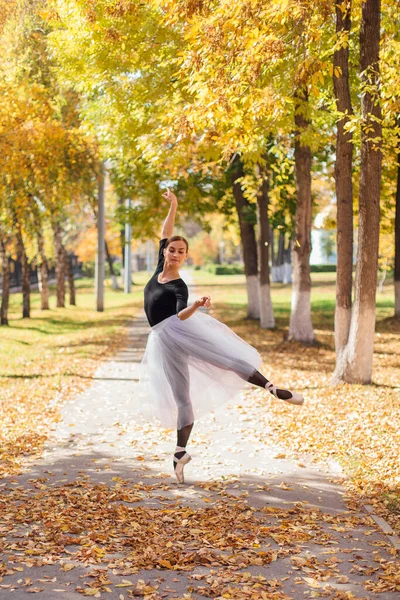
x=190, y=368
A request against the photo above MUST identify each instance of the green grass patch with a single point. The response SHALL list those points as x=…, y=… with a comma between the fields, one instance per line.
x=230, y=291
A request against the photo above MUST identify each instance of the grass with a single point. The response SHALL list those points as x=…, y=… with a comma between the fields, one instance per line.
x=230, y=291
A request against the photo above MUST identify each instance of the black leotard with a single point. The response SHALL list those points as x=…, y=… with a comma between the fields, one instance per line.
x=162, y=300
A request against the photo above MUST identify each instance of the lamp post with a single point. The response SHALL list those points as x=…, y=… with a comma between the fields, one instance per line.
x=128, y=254
x=99, y=265
x=221, y=252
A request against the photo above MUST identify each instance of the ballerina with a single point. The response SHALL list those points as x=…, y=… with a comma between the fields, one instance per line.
x=193, y=363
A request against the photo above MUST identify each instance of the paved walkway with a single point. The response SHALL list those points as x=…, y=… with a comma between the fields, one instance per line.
x=101, y=514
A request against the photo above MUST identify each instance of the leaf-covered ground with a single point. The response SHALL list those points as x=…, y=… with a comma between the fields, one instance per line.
x=358, y=426
x=106, y=540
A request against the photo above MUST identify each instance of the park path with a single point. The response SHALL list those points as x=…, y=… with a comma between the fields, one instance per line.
x=273, y=527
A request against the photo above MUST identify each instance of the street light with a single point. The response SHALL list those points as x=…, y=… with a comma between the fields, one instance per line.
x=221, y=252
x=128, y=253
x=99, y=265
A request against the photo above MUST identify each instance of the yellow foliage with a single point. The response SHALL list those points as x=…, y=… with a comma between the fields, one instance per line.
x=86, y=247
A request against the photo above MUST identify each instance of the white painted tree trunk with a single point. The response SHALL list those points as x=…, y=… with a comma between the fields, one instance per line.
x=356, y=359
x=277, y=273
x=253, y=297
x=342, y=329
x=300, y=327
x=287, y=272
x=114, y=282
x=267, y=320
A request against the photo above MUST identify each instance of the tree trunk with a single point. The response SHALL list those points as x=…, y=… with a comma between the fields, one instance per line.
x=25, y=283
x=43, y=270
x=60, y=270
x=114, y=281
x=248, y=241
x=300, y=327
x=356, y=363
x=5, y=296
x=70, y=277
x=267, y=320
x=397, y=244
x=343, y=180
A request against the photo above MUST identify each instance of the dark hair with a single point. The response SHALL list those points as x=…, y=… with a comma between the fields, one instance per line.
x=176, y=238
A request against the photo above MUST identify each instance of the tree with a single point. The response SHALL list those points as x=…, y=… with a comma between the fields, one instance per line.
x=5, y=272
x=267, y=320
x=300, y=327
x=43, y=268
x=249, y=244
x=26, y=305
x=343, y=177
x=397, y=245
x=46, y=161
x=114, y=282
x=60, y=264
x=356, y=361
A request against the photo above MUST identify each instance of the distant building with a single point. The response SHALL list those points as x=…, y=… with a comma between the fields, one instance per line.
x=323, y=244
x=323, y=239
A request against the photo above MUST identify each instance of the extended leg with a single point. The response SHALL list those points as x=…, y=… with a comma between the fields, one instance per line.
x=258, y=379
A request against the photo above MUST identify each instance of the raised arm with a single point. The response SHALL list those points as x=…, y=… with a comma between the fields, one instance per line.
x=168, y=226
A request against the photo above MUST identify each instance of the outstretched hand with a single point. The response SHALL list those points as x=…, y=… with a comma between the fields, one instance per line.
x=204, y=301
x=170, y=196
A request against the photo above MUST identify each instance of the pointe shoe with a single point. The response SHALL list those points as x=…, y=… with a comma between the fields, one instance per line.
x=294, y=398
x=180, y=464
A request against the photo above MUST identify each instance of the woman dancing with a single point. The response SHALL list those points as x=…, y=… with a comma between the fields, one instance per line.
x=192, y=363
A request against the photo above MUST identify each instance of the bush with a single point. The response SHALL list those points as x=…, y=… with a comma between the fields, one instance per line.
x=323, y=268
x=87, y=268
x=234, y=269
x=117, y=266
